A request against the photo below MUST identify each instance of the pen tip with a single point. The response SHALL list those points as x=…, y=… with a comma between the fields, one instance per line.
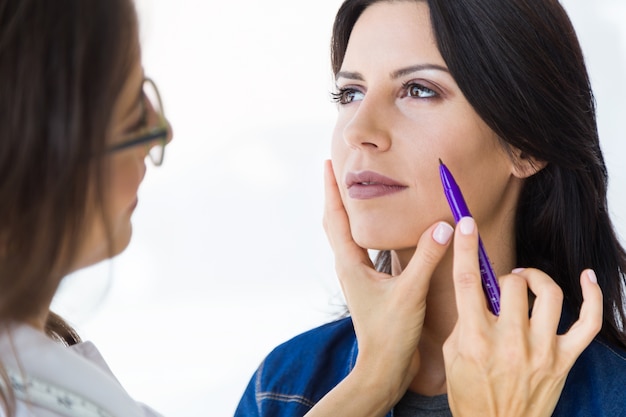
x=440, y=161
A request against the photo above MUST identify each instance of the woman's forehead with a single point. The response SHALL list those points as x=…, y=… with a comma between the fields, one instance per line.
x=395, y=33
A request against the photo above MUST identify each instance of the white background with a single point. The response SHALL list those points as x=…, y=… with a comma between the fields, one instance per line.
x=228, y=257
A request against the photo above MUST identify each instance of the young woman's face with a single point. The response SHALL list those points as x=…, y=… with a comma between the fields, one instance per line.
x=400, y=111
x=126, y=170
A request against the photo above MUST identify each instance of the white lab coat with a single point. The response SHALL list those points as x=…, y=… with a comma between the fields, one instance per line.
x=79, y=370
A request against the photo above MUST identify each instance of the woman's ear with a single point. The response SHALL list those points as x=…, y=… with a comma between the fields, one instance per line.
x=525, y=166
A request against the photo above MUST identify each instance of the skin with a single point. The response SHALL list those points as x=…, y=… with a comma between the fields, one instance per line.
x=126, y=171
x=432, y=305
x=386, y=127
x=402, y=131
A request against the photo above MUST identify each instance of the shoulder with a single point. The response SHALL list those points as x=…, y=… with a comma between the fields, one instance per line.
x=299, y=372
x=47, y=373
x=329, y=349
x=334, y=336
x=595, y=384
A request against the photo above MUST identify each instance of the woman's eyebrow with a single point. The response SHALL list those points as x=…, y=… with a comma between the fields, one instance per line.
x=350, y=75
x=415, y=68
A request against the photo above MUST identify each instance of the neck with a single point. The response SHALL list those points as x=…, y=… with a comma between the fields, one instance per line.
x=439, y=321
x=441, y=314
x=39, y=321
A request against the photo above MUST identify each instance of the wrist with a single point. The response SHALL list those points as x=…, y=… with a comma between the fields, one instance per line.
x=381, y=381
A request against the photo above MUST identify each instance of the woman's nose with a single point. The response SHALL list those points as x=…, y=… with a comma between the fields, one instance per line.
x=369, y=127
x=170, y=131
x=156, y=118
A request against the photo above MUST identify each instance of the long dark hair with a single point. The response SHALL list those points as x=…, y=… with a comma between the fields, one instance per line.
x=520, y=66
x=63, y=64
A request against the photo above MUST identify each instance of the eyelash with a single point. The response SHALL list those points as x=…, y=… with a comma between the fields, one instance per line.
x=341, y=95
x=141, y=122
x=410, y=84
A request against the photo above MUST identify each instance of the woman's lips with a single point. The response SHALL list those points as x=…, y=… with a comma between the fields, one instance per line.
x=367, y=184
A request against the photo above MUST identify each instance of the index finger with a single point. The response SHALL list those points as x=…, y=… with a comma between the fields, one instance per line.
x=470, y=299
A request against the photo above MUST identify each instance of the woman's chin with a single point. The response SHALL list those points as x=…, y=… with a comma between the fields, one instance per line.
x=385, y=235
x=383, y=241
x=121, y=241
x=373, y=242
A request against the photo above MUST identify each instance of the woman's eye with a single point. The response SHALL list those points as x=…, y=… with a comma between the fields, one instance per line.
x=139, y=118
x=418, y=91
x=347, y=95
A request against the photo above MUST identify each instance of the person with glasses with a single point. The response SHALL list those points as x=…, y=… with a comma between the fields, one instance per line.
x=153, y=134
x=78, y=119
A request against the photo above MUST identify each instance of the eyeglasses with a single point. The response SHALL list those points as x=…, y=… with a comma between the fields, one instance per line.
x=154, y=136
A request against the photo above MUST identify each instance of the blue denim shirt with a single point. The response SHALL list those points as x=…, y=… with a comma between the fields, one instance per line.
x=298, y=373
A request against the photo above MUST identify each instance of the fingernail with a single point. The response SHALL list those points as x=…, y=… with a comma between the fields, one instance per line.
x=467, y=225
x=518, y=270
x=592, y=276
x=442, y=233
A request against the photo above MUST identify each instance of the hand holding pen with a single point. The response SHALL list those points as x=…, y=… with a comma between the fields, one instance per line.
x=512, y=365
x=508, y=365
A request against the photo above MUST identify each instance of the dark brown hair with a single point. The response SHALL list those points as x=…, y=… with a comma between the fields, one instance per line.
x=63, y=64
x=520, y=66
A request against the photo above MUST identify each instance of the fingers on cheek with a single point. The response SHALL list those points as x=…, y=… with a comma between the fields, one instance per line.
x=433, y=243
x=466, y=226
x=465, y=257
x=466, y=236
x=442, y=233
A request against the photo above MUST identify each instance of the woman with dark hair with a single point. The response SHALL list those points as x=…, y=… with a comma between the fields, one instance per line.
x=77, y=120
x=499, y=91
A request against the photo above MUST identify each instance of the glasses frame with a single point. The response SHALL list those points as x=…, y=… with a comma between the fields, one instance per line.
x=150, y=135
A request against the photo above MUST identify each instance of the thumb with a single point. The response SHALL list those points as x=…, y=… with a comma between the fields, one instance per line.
x=431, y=248
x=352, y=263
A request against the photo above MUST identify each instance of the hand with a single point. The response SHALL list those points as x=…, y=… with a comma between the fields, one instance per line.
x=511, y=365
x=387, y=311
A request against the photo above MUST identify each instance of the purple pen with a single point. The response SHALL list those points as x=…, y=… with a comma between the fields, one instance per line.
x=459, y=209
